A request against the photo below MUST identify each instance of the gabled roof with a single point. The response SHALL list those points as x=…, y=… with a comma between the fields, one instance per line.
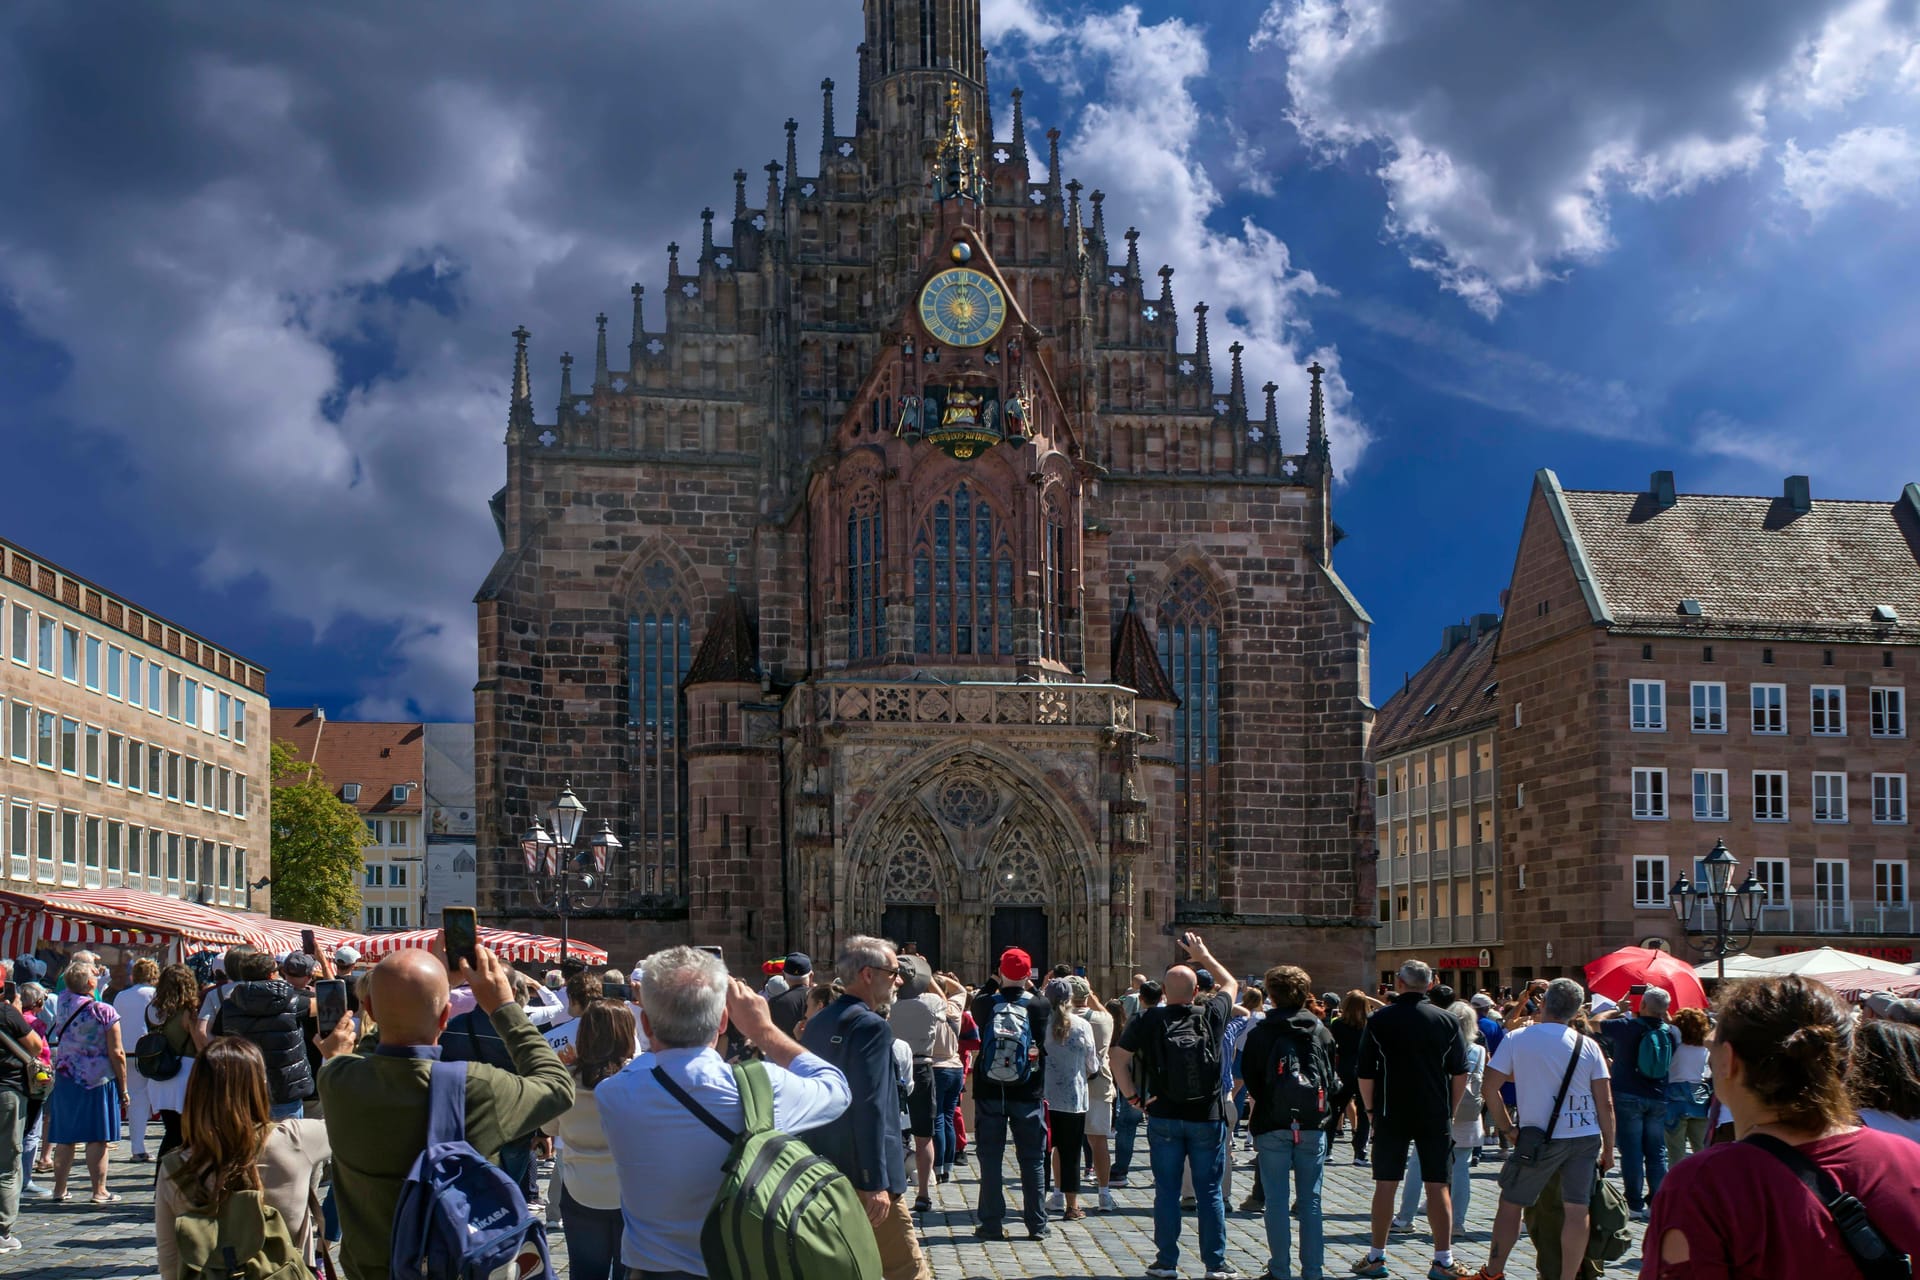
x=1136, y=665
x=1754, y=565
x=728, y=653
x=1454, y=693
x=377, y=754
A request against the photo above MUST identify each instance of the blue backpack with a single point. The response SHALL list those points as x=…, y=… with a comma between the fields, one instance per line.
x=1009, y=1042
x=459, y=1216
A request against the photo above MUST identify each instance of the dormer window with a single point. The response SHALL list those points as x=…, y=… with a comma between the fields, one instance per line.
x=350, y=792
x=401, y=791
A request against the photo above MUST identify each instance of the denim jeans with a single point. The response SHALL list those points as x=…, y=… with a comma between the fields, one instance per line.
x=1126, y=1131
x=593, y=1239
x=279, y=1111
x=1305, y=1159
x=1642, y=1135
x=1176, y=1146
x=947, y=1083
x=1462, y=1183
x=992, y=1117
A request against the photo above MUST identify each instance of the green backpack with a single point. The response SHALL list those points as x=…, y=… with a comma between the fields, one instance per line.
x=1655, y=1055
x=246, y=1240
x=782, y=1212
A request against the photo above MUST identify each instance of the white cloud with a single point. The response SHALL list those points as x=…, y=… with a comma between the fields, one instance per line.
x=1001, y=18
x=1721, y=435
x=1503, y=144
x=1882, y=161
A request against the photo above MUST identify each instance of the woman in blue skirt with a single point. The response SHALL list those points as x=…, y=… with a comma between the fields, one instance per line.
x=89, y=1083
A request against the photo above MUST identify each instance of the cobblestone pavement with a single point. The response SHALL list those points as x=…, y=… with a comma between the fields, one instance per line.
x=82, y=1241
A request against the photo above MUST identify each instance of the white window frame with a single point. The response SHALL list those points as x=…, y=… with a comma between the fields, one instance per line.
x=1834, y=785
x=1828, y=902
x=1647, y=706
x=376, y=918
x=1883, y=882
x=1650, y=893
x=1890, y=799
x=70, y=654
x=1767, y=708
x=70, y=761
x=1709, y=777
x=47, y=637
x=398, y=917
x=1829, y=720
x=1770, y=787
x=115, y=657
x=1764, y=870
x=91, y=663
x=1708, y=713
x=1650, y=801
x=1887, y=711
x=22, y=635
x=239, y=722
x=20, y=749
x=116, y=755
x=397, y=876
x=136, y=681
x=91, y=749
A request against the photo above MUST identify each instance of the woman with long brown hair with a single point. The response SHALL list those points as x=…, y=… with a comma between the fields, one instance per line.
x=233, y=1143
x=1883, y=1077
x=1779, y=1059
x=1355, y=1008
x=589, y=1183
x=174, y=1013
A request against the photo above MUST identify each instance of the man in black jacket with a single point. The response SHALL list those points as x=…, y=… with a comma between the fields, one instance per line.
x=267, y=1011
x=853, y=1034
x=1288, y=1064
x=1011, y=1104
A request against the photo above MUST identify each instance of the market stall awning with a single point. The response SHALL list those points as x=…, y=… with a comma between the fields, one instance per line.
x=1812, y=963
x=23, y=929
x=508, y=944
x=133, y=917
x=1862, y=982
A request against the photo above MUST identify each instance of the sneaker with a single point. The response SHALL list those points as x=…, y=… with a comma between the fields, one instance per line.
x=140, y=1158
x=1399, y=1228
x=1484, y=1274
x=1188, y=1202
x=1253, y=1204
x=1043, y=1233
x=1640, y=1215
x=1057, y=1202
x=923, y=1205
x=959, y=1157
x=1163, y=1273
x=1106, y=1202
x=1223, y=1273
x=1117, y=1180
x=993, y=1231
x=1360, y=1159
x=1371, y=1269
x=1452, y=1271
x=9, y=1243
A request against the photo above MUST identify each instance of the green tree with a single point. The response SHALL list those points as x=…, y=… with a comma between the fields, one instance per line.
x=317, y=839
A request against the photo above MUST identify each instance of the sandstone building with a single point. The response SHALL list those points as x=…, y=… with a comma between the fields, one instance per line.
x=911, y=570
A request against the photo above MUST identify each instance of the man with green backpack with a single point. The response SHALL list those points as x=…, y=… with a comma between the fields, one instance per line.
x=712, y=1180
x=1642, y=1051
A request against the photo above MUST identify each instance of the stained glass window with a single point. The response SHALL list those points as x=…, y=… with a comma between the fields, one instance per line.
x=1053, y=627
x=866, y=590
x=962, y=579
x=1190, y=652
x=659, y=651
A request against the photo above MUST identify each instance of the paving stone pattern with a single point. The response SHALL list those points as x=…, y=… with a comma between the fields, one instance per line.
x=82, y=1241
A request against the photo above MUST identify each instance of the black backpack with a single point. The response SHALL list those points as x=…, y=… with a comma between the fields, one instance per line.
x=1189, y=1063
x=1300, y=1079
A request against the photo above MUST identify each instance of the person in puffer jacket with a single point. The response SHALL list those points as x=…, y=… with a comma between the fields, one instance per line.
x=269, y=1012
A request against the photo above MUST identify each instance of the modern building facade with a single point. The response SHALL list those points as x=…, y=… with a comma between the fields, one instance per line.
x=1436, y=806
x=133, y=748
x=450, y=852
x=379, y=768
x=912, y=570
x=1679, y=669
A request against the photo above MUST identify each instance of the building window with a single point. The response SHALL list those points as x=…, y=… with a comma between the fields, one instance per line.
x=659, y=651
x=44, y=822
x=116, y=748
x=1769, y=708
x=1190, y=652
x=22, y=633
x=173, y=775
x=115, y=656
x=20, y=842
x=92, y=762
x=396, y=832
x=1709, y=707
x=93, y=663
x=190, y=702
x=173, y=696
x=376, y=875
x=1890, y=884
x=69, y=746
x=1649, y=882
x=136, y=676
x=866, y=576
x=1829, y=797
x=1054, y=579
x=376, y=917
x=1889, y=797
x=226, y=715
x=136, y=765
x=1649, y=699
x=399, y=915
x=397, y=879
x=93, y=853
x=1649, y=793
x=190, y=793
x=154, y=672
x=1769, y=796
x=1829, y=703
x=20, y=746
x=962, y=579
x=1887, y=713
x=69, y=847
x=1709, y=795
x=1830, y=893
x=1771, y=875
x=154, y=757
x=70, y=655
x=47, y=731
x=49, y=639
x=239, y=721
x=239, y=795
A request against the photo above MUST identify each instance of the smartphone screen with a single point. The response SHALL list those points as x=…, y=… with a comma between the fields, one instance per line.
x=307, y=943
x=329, y=1004
x=1637, y=989
x=712, y=951
x=462, y=929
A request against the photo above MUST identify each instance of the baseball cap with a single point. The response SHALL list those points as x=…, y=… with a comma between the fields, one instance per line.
x=1203, y=980
x=1481, y=1000
x=298, y=964
x=798, y=964
x=1015, y=964
x=347, y=955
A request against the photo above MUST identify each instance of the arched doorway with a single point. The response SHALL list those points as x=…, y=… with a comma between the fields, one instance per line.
x=910, y=892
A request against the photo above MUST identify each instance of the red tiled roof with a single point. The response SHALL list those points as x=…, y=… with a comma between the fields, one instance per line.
x=1454, y=685
x=377, y=754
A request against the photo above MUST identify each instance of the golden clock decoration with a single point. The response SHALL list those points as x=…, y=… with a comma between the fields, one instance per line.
x=963, y=307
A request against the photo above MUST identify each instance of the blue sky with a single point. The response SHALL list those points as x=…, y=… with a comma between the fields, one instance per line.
x=258, y=265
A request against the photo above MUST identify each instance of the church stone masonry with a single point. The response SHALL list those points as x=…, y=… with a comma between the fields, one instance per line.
x=909, y=576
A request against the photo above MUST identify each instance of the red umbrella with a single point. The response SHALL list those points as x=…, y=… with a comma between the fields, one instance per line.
x=1611, y=975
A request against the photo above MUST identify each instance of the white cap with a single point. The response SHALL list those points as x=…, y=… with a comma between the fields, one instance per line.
x=347, y=955
x=1481, y=1000
x=637, y=976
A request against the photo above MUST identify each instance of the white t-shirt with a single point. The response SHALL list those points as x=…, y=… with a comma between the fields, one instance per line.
x=131, y=1005
x=1689, y=1064
x=1536, y=1058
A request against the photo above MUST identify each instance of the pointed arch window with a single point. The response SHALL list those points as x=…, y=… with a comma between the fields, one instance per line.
x=962, y=579
x=1054, y=577
x=866, y=592
x=1190, y=652
x=659, y=651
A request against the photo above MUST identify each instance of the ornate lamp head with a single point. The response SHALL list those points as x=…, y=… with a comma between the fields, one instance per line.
x=566, y=815
x=1720, y=866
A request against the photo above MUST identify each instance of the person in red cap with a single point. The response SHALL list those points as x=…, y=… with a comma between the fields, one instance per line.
x=1007, y=1084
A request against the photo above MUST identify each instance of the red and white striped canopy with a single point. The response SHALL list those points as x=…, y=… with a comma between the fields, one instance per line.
x=510, y=945
x=131, y=917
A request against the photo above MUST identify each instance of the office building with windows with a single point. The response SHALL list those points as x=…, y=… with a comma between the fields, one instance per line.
x=130, y=751
x=378, y=767
x=1436, y=813
x=1678, y=669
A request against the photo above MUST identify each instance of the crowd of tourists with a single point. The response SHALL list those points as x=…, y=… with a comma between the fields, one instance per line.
x=1777, y=1134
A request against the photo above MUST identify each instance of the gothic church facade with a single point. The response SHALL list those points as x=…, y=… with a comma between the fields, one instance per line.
x=913, y=573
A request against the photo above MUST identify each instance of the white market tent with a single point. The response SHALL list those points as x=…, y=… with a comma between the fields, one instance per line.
x=1808, y=963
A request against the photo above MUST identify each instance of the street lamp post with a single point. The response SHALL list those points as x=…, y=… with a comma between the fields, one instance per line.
x=563, y=872
x=1734, y=909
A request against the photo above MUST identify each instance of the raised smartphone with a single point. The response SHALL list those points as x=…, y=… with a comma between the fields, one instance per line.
x=329, y=1004
x=462, y=929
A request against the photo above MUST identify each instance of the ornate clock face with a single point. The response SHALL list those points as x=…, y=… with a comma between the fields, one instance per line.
x=963, y=307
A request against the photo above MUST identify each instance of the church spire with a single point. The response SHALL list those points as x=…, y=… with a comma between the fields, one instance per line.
x=1201, y=355
x=1317, y=445
x=956, y=166
x=673, y=262
x=1099, y=241
x=520, y=407
x=773, y=191
x=826, y=117
x=1019, y=130
x=706, y=236
x=1053, y=165
x=1237, y=388
x=793, y=167
x=600, y=352
x=1271, y=438
x=739, y=194
x=566, y=383
x=639, y=328
x=1133, y=256
x=1076, y=235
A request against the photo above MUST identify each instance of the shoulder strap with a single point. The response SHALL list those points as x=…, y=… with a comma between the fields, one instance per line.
x=700, y=1113
x=756, y=1095
x=1553, y=1120
x=72, y=1017
x=447, y=1103
x=1817, y=1180
x=19, y=1051
x=1864, y=1243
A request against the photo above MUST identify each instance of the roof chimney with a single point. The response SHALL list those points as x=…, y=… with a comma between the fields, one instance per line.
x=1484, y=622
x=1662, y=486
x=1799, y=493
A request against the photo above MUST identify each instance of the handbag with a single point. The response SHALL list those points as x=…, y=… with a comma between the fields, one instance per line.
x=154, y=1055
x=39, y=1076
x=1877, y=1258
x=1531, y=1142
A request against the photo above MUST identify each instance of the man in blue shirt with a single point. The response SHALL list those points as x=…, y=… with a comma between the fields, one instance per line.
x=1640, y=1100
x=668, y=1160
